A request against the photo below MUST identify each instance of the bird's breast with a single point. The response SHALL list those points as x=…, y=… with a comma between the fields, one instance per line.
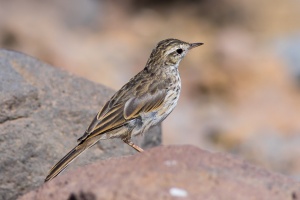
x=150, y=119
x=170, y=101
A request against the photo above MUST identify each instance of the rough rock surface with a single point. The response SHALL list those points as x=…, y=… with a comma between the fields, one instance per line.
x=171, y=172
x=42, y=113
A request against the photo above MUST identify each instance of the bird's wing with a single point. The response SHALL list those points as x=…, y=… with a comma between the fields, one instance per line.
x=143, y=104
x=126, y=105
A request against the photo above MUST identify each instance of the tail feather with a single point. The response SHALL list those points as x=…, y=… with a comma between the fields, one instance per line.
x=65, y=161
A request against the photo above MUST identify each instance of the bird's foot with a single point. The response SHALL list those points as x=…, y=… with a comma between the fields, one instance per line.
x=130, y=143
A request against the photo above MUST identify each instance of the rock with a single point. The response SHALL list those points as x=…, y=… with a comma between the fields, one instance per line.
x=43, y=112
x=169, y=172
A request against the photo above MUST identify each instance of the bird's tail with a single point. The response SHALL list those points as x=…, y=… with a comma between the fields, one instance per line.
x=65, y=161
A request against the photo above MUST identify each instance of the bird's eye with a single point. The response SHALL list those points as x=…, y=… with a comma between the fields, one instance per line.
x=179, y=51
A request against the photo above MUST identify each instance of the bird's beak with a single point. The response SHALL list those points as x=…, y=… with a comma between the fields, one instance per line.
x=193, y=45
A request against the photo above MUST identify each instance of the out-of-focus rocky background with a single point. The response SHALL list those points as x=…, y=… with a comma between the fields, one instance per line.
x=240, y=90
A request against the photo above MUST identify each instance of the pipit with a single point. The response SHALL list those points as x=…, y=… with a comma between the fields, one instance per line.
x=146, y=100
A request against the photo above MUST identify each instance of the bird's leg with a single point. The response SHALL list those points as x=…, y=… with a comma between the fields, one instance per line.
x=130, y=143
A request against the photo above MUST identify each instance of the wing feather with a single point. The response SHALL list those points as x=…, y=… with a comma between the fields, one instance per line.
x=126, y=105
x=146, y=103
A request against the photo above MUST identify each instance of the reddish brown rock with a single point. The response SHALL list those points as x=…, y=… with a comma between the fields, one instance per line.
x=170, y=172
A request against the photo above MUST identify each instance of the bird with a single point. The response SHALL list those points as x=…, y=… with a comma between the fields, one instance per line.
x=145, y=101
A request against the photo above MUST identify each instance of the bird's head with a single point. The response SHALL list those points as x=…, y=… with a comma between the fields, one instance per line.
x=169, y=52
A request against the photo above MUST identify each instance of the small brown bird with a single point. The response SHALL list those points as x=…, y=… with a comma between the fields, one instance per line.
x=146, y=100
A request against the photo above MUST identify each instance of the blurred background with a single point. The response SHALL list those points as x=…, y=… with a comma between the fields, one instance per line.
x=241, y=89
